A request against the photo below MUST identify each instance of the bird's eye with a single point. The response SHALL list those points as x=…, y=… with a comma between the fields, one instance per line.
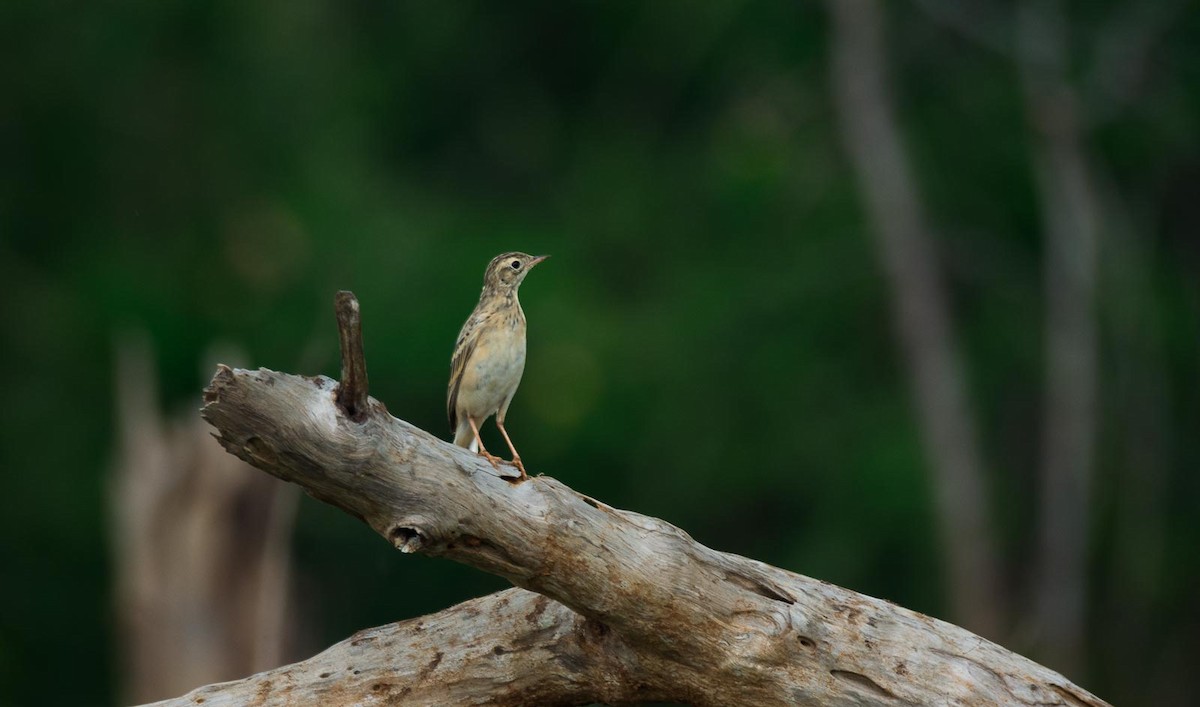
x=516, y=265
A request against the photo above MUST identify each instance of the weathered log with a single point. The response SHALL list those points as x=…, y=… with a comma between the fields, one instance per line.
x=509, y=648
x=692, y=624
x=640, y=611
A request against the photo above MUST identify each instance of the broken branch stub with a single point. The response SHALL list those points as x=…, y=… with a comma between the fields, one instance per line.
x=352, y=391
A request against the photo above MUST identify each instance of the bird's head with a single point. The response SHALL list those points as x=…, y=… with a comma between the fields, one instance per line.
x=507, y=270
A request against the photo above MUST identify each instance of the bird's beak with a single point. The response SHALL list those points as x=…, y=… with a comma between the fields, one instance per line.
x=537, y=260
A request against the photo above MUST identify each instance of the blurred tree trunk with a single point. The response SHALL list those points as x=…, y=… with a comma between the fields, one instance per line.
x=1071, y=225
x=922, y=314
x=1060, y=112
x=201, y=547
x=1141, y=389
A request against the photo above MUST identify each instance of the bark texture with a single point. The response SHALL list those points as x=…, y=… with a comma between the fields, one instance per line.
x=509, y=648
x=352, y=394
x=669, y=619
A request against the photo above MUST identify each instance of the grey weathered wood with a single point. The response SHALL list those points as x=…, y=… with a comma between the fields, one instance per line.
x=509, y=648
x=683, y=621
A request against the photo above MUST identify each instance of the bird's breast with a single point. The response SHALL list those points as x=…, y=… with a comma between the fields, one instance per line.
x=494, y=371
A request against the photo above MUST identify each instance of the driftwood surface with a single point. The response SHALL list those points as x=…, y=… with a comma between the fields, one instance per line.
x=509, y=648
x=639, y=610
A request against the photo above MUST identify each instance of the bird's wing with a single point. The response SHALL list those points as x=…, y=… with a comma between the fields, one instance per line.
x=463, y=348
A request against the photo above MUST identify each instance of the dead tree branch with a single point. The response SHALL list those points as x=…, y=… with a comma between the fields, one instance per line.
x=647, y=612
x=704, y=627
x=509, y=648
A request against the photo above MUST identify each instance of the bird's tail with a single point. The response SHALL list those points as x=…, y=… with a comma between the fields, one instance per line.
x=464, y=437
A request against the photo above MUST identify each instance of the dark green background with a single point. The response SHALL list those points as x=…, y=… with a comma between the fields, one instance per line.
x=711, y=342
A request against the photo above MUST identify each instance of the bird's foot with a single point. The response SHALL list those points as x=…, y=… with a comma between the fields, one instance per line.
x=492, y=458
x=520, y=467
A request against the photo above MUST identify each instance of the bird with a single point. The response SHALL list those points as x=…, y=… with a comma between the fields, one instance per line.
x=489, y=357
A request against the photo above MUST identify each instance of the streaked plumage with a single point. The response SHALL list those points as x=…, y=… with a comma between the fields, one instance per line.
x=489, y=357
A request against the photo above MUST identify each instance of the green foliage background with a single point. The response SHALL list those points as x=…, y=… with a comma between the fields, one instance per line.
x=711, y=342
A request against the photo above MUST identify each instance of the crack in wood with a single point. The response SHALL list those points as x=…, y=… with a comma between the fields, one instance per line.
x=866, y=684
x=1072, y=698
x=758, y=587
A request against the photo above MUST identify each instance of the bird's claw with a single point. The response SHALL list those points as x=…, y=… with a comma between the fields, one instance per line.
x=520, y=467
x=492, y=459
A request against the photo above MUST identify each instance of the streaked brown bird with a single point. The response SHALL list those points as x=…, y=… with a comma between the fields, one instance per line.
x=489, y=357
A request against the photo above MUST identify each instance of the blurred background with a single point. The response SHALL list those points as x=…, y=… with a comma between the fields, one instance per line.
x=903, y=296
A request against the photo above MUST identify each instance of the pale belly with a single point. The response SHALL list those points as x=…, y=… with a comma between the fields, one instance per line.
x=493, y=374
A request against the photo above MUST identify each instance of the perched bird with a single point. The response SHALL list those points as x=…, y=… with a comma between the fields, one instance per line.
x=489, y=356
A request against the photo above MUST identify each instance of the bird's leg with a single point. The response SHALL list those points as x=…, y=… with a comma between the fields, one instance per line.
x=495, y=460
x=516, y=460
